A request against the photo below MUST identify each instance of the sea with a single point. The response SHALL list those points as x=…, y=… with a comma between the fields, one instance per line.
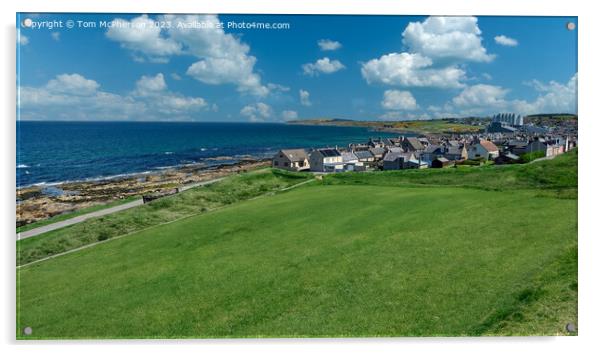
x=50, y=153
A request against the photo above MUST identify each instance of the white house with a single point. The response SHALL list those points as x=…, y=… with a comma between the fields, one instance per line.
x=326, y=160
x=484, y=149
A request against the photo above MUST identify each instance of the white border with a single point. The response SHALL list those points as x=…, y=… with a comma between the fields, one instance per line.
x=589, y=168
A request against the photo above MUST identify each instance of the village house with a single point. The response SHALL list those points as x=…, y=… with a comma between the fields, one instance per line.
x=351, y=162
x=412, y=144
x=397, y=160
x=326, y=160
x=483, y=149
x=364, y=156
x=291, y=159
x=377, y=152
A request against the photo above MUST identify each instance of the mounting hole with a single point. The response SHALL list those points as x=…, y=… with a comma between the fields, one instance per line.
x=570, y=26
x=570, y=327
x=27, y=331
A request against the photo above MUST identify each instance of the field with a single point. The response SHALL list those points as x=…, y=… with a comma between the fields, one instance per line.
x=410, y=126
x=443, y=253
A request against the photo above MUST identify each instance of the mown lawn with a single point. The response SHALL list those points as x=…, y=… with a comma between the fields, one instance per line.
x=194, y=201
x=324, y=260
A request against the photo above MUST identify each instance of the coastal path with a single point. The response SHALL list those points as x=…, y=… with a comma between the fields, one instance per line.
x=99, y=213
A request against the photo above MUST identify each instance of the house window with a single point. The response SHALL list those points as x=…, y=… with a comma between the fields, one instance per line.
x=276, y=163
x=286, y=164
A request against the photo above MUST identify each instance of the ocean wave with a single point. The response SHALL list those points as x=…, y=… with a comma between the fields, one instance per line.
x=21, y=166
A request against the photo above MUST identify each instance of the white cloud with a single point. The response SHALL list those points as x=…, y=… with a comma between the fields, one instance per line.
x=257, y=112
x=324, y=66
x=21, y=38
x=553, y=97
x=405, y=69
x=150, y=85
x=74, y=97
x=143, y=37
x=481, y=95
x=456, y=38
x=436, y=47
x=506, y=41
x=73, y=84
x=222, y=58
x=154, y=89
x=288, y=115
x=398, y=100
x=304, y=97
x=327, y=44
x=175, y=76
x=56, y=36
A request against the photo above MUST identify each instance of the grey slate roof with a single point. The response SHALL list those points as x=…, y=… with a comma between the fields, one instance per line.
x=295, y=155
x=363, y=154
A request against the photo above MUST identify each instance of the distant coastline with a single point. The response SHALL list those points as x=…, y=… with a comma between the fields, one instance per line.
x=401, y=127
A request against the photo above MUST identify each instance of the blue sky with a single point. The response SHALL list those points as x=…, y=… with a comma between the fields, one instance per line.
x=356, y=67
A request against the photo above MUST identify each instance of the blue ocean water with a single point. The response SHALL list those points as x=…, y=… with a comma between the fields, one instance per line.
x=54, y=152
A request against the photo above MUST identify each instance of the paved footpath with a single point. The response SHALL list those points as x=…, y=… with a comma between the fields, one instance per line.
x=100, y=213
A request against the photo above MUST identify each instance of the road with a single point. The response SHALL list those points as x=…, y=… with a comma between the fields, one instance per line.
x=100, y=213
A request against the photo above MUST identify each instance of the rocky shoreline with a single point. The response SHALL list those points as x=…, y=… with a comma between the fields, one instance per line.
x=35, y=203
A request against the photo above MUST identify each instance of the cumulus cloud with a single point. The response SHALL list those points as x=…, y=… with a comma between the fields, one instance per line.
x=553, y=97
x=436, y=48
x=328, y=45
x=447, y=38
x=481, y=95
x=74, y=84
x=142, y=36
x=150, y=85
x=398, y=100
x=159, y=99
x=74, y=97
x=506, y=41
x=257, y=112
x=221, y=58
x=288, y=115
x=304, y=98
x=322, y=66
x=412, y=70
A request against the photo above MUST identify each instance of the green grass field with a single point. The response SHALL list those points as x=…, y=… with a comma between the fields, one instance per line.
x=195, y=201
x=356, y=255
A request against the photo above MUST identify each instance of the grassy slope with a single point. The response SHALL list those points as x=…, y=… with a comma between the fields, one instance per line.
x=194, y=201
x=83, y=211
x=390, y=261
x=556, y=177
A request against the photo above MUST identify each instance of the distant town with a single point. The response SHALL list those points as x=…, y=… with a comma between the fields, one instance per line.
x=505, y=138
